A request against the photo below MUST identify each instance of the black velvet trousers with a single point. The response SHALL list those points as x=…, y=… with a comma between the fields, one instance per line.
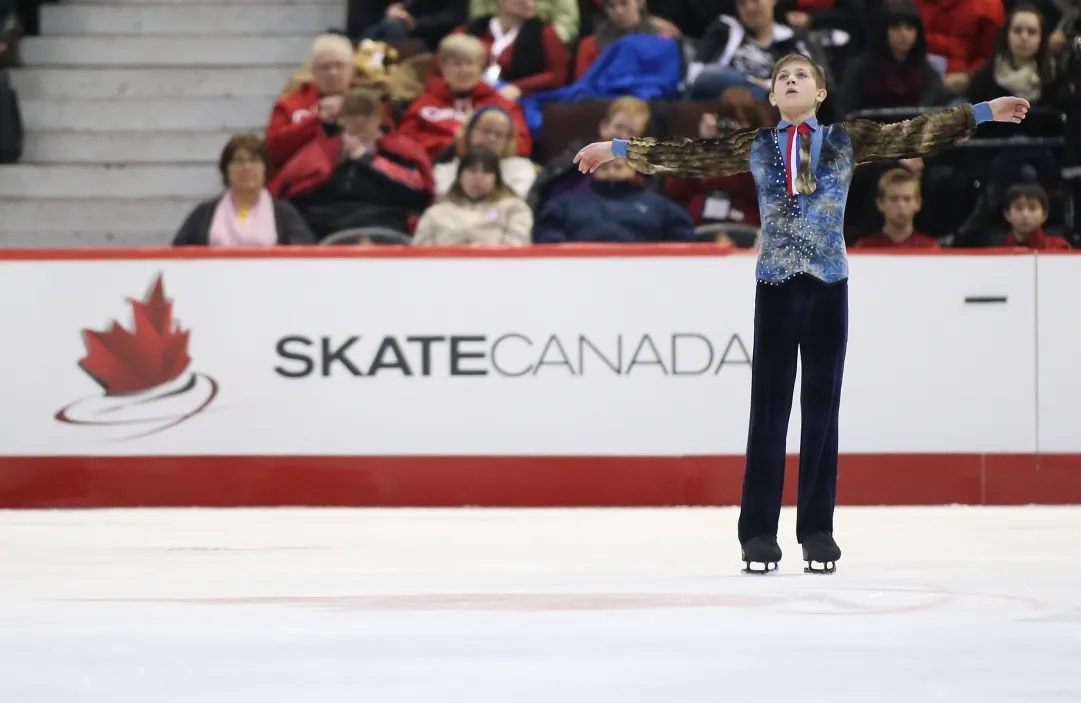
x=804, y=315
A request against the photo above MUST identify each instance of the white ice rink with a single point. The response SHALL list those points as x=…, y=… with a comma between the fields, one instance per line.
x=562, y=606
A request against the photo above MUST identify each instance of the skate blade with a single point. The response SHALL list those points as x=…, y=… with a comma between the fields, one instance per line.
x=759, y=568
x=820, y=567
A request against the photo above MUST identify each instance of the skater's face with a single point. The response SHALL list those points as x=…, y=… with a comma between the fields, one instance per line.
x=899, y=202
x=1023, y=38
x=797, y=89
x=1026, y=215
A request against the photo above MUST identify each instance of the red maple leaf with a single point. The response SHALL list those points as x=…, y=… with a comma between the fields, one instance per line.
x=129, y=362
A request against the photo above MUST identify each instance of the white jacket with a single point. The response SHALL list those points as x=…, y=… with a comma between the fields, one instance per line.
x=508, y=221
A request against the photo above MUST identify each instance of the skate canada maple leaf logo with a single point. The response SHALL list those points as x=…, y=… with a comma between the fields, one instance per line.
x=142, y=373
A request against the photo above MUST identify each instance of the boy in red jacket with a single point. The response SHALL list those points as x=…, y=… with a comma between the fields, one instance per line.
x=436, y=117
x=1025, y=208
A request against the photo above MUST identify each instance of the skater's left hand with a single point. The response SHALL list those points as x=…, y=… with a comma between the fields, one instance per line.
x=1009, y=109
x=592, y=156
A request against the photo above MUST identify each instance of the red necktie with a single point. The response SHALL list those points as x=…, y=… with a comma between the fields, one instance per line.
x=792, y=162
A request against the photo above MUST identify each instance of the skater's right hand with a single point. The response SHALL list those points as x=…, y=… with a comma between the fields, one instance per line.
x=592, y=156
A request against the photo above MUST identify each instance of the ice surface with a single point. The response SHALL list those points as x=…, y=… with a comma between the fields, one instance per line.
x=592, y=606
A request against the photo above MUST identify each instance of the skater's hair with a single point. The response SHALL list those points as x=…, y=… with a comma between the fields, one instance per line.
x=1026, y=191
x=896, y=177
x=819, y=76
x=462, y=46
x=243, y=141
x=629, y=105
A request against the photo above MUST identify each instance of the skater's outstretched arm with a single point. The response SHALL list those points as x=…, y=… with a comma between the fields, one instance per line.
x=697, y=158
x=930, y=132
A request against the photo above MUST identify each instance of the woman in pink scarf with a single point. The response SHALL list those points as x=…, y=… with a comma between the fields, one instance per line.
x=245, y=215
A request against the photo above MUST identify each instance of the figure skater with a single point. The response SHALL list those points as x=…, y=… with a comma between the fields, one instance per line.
x=801, y=299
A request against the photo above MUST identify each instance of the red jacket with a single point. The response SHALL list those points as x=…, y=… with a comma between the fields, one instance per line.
x=692, y=193
x=294, y=121
x=432, y=118
x=881, y=241
x=1038, y=241
x=964, y=31
x=313, y=164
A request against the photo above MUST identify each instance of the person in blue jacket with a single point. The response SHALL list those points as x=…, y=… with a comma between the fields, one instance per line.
x=616, y=207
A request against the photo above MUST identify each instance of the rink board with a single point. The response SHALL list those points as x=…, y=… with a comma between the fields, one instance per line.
x=546, y=376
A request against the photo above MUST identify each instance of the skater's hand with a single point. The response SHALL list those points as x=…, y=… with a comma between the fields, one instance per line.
x=592, y=156
x=1009, y=109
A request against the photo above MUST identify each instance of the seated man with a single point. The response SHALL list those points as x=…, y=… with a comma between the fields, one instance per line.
x=436, y=117
x=898, y=200
x=616, y=208
x=359, y=179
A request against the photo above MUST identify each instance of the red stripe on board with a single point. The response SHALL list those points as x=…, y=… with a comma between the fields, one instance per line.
x=865, y=479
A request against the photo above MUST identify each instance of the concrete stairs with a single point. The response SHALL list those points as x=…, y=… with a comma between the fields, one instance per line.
x=127, y=104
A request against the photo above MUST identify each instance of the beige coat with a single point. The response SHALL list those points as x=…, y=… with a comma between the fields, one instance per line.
x=508, y=221
x=518, y=173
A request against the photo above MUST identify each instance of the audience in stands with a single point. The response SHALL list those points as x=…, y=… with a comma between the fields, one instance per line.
x=436, y=118
x=359, y=178
x=562, y=15
x=626, y=117
x=479, y=209
x=616, y=207
x=729, y=198
x=523, y=54
x=961, y=32
x=898, y=200
x=493, y=127
x=245, y=215
x=893, y=70
x=311, y=111
x=621, y=17
x=741, y=50
x=1026, y=212
x=401, y=20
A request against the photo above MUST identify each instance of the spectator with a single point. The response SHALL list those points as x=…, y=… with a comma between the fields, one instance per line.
x=1020, y=65
x=893, y=71
x=246, y=215
x=562, y=15
x=361, y=178
x=524, y=55
x=616, y=208
x=396, y=21
x=741, y=51
x=492, y=127
x=435, y=119
x=726, y=198
x=807, y=15
x=311, y=111
x=961, y=32
x=626, y=117
x=479, y=209
x=1026, y=212
x=898, y=200
x=621, y=17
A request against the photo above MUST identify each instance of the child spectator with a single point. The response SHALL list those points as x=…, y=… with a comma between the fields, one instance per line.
x=1026, y=212
x=246, y=214
x=615, y=208
x=359, y=179
x=728, y=198
x=898, y=200
x=493, y=127
x=621, y=17
x=961, y=32
x=479, y=209
x=312, y=109
x=626, y=117
x=524, y=55
x=436, y=118
x=893, y=71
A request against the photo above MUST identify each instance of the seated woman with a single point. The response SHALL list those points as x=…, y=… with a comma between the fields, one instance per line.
x=246, y=215
x=436, y=118
x=616, y=208
x=524, y=55
x=362, y=178
x=621, y=17
x=492, y=127
x=479, y=209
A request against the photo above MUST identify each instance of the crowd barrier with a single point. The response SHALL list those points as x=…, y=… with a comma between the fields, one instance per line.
x=541, y=376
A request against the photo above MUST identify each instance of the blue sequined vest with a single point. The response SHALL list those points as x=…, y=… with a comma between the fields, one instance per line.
x=803, y=233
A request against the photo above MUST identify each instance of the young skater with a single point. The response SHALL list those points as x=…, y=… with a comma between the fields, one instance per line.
x=802, y=172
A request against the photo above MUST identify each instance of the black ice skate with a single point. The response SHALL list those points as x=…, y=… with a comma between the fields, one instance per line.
x=761, y=555
x=821, y=553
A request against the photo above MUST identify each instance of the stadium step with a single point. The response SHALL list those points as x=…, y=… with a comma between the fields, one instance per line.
x=109, y=182
x=118, y=18
x=148, y=114
x=101, y=83
x=113, y=147
x=149, y=51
